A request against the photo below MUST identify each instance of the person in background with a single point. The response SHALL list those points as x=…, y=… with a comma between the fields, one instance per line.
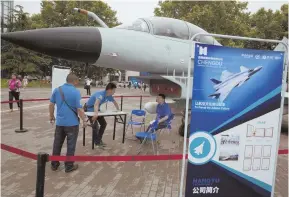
x=14, y=85
x=25, y=82
x=87, y=84
x=93, y=105
x=67, y=99
x=144, y=86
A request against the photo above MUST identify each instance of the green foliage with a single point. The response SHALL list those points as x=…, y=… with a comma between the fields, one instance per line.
x=230, y=18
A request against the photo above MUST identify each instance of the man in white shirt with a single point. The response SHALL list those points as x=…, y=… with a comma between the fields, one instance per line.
x=87, y=86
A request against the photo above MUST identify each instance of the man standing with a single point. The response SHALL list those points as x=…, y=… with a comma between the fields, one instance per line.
x=67, y=99
x=93, y=105
x=87, y=84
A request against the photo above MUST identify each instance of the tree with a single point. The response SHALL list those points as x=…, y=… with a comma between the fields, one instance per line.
x=230, y=18
x=17, y=59
x=267, y=24
x=21, y=20
x=225, y=17
x=20, y=61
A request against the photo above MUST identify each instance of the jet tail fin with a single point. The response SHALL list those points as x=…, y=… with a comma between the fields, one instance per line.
x=215, y=81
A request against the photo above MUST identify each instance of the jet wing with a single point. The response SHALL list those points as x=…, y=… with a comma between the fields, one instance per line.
x=224, y=92
x=225, y=74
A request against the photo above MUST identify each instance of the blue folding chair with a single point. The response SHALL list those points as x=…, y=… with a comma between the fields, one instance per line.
x=136, y=113
x=148, y=135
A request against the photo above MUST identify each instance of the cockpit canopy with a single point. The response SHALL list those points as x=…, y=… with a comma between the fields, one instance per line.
x=160, y=26
x=168, y=27
x=138, y=25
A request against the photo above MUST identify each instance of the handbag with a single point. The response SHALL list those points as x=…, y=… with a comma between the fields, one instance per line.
x=63, y=99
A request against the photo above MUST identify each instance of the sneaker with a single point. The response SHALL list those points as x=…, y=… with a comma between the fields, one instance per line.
x=102, y=144
x=72, y=168
x=54, y=167
x=99, y=146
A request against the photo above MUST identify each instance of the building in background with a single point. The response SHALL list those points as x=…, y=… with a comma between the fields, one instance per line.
x=6, y=14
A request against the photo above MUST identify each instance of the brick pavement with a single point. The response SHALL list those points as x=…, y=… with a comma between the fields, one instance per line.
x=136, y=179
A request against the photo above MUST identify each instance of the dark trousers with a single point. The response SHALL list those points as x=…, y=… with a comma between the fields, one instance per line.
x=162, y=125
x=88, y=90
x=98, y=131
x=16, y=97
x=62, y=132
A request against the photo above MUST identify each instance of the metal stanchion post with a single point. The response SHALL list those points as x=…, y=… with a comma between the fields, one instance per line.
x=42, y=158
x=140, y=103
x=121, y=102
x=21, y=130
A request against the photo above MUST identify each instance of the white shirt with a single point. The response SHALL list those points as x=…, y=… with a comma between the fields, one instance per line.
x=88, y=82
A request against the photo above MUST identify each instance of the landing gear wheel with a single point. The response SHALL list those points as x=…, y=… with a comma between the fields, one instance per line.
x=182, y=130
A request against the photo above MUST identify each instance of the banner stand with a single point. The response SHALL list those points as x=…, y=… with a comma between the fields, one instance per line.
x=59, y=74
x=188, y=95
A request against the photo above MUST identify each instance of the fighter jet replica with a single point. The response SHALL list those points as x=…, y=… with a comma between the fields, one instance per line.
x=199, y=150
x=157, y=45
x=229, y=81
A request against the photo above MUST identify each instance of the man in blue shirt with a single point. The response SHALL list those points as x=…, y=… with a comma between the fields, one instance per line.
x=67, y=99
x=93, y=105
x=163, y=113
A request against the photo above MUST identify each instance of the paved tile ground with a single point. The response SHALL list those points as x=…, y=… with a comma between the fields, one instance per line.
x=135, y=179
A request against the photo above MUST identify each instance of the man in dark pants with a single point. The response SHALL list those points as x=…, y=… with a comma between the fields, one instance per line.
x=67, y=99
x=93, y=105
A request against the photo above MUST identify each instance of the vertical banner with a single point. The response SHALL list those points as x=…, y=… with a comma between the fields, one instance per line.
x=59, y=75
x=234, y=131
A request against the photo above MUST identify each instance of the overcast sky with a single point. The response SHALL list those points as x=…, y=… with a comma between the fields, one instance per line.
x=130, y=10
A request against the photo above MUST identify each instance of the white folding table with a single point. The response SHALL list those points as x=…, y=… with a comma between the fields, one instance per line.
x=119, y=117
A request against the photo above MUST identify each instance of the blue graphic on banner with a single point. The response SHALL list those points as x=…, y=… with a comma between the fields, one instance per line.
x=232, y=86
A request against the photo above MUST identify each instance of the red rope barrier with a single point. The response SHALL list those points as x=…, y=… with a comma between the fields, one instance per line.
x=47, y=99
x=283, y=152
x=104, y=158
x=117, y=158
x=3, y=102
x=19, y=152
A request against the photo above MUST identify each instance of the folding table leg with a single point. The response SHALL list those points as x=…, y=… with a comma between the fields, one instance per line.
x=83, y=137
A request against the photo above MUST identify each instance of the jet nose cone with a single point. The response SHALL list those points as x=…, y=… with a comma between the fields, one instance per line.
x=258, y=68
x=72, y=43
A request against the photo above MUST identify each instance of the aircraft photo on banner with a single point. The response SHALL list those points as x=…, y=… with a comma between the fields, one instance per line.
x=234, y=132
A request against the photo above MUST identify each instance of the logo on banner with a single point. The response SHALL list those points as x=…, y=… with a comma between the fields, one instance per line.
x=203, y=51
x=202, y=148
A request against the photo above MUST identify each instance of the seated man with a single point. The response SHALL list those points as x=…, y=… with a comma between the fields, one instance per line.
x=163, y=112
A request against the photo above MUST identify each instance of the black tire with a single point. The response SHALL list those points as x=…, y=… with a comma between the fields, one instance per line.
x=182, y=130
